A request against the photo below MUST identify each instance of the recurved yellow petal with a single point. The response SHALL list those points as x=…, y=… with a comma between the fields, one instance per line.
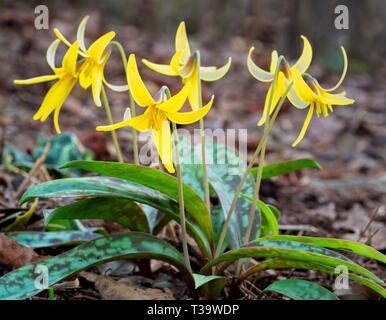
x=61, y=37
x=175, y=62
x=305, y=125
x=304, y=91
x=161, y=68
x=70, y=59
x=345, y=65
x=335, y=99
x=80, y=33
x=256, y=72
x=137, y=88
x=141, y=123
x=176, y=102
x=55, y=97
x=51, y=52
x=182, y=42
x=96, y=81
x=216, y=74
x=190, y=117
x=193, y=92
x=274, y=57
x=163, y=140
x=305, y=58
x=37, y=79
x=98, y=47
x=294, y=98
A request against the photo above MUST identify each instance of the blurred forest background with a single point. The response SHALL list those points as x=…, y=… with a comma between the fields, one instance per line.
x=350, y=143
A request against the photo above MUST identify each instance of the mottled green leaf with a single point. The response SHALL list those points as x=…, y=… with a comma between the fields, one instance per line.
x=308, y=265
x=111, y=187
x=212, y=285
x=340, y=244
x=156, y=180
x=49, y=239
x=20, y=284
x=291, y=250
x=278, y=169
x=300, y=290
x=120, y=210
x=268, y=218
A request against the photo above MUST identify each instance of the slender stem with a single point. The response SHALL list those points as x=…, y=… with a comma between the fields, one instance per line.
x=110, y=119
x=181, y=201
x=202, y=133
x=132, y=102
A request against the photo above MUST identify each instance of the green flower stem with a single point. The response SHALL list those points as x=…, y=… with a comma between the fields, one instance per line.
x=181, y=201
x=206, y=183
x=132, y=102
x=110, y=119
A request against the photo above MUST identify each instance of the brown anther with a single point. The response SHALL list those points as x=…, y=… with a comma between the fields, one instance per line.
x=285, y=68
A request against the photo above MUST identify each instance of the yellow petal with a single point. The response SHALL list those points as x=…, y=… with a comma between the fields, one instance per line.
x=213, y=75
x=56, y=119
x=55, y=97
x=163, y=141
x=70, y=59
x=175, y=62
x=256, y=72
x=176, y=102
x=116, y=87
x=37, y=79
x=80, y=33
x=294, y=98
x=304, y=91
x=98, y=47
x=51, y=52
x=141, y=123
x=193, y=92
x=305, y=58
x=161, y=68
x=61, y=37
x=343, y=75
x=335, y=99
x=274, y=57
x=305, y=125
x=96, y=80
x=190, y=117
x=182, y=42
x=137, y=88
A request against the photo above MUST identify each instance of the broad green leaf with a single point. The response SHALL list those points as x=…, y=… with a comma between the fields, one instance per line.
x=268, y=217
x=290, y=264
x=191, y=167
x=151, y=214
x=278, y=169
x=111, y=187
x=20, y=284
x=356, y=247
x=120, y=210
x=290, y=250
x=225, y=170
x=156, y=180
x=298, y=289
x=218, y=221
x=49, y=239
x=212, y=285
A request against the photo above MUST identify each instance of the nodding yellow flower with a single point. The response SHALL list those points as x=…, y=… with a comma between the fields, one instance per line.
x=66, y=76
x=184, y=64
x=284, y=76
x=160, y=110
x=91, y=69
x=316, y=97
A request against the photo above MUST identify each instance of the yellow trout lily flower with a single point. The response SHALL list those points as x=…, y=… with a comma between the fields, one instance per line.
x=66, y=76
x=316, y=97
x=284, y=76
x=91, y=69
x=184, y=64
x=160, y=110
